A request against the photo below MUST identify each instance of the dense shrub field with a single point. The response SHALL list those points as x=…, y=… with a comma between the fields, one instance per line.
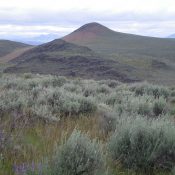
x=143, y=145
x=58, y=126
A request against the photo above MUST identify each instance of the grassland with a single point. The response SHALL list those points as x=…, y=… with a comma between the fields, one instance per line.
x=57, y=126
x=12, y=55
x=7, y=47
x=103, y=40
x=144, y=58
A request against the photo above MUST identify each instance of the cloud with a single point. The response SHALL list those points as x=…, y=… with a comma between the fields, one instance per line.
x=37, y=17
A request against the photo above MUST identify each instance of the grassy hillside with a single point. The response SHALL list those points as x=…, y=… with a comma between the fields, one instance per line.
x=62, y=58
x=12, y=55
x=94, y=51
x=53, y=126
x=101, y=39
x=7, y=47
x=152, y=59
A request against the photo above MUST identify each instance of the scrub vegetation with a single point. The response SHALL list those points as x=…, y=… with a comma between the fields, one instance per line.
x=53, y=125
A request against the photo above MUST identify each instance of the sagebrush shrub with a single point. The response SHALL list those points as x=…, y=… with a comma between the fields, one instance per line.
x=173, y=171
x=141, y=105
x=160, y=92
x=12, y=101
x=112, y=99
x=172, y=111
x=70, y=87
x=144, y=109
x=27, y=75
x=62, y=102
x=110, y=83
x=154, y=90
x=173, y=100
x=173, y=93
x=160, y=107
x=53, y=81
x=107, y=119
x=143, y=144
x=87, y=105
x=103, y=89
x=68, y=104
x=89, y=91
x=79, y=155
x=2, y=141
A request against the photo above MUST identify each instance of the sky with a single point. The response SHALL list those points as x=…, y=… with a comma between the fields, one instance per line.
x=32, y=18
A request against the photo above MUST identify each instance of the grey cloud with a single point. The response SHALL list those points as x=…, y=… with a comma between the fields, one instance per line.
x=74, y=17
x=151, y=24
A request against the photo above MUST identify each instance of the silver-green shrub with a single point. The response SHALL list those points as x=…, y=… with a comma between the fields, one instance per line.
x=78, y=156
x=103, y=89
x=160, y=107
x=110, y=83
x=76, y=104
x=149, y=89
x=107, y=119
x=143, y=144
x=53, y=81
x=53, y=96
x=173, y=171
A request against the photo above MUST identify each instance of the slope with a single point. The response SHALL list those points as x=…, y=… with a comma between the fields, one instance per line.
x=7, y=46
x=14, y=54
x=152, y=59
x=62, y=58
x=106, y=41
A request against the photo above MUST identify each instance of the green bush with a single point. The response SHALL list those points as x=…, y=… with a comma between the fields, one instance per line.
x=144, y=109
x=110, y=83
x=76, y=104
x=61, y=102
x=159, y=107
x=70, y=87
x=173, y=93
x=173, y=100
x=141, y=105
x=112, y=99
x=103, y=89
x=78, y=156
x=27, y=75
x=173, y=171
x=12, y=101
x=53, y=81
x=154, y=90
x=89, y=91
x=172, y=112
x=142, y=144
x=107, y=119
x=69, y=104
x=139, y=90
x=87, y=105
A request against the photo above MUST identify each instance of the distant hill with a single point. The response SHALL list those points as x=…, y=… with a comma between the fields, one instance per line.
x=37, y=40
x=95, y=51
x=7, y=46
x=100, y=38
x=171, y=36
x=32, y=40
x=62, y=58
x=14, y=54
x=44, y=38
x=152, y=59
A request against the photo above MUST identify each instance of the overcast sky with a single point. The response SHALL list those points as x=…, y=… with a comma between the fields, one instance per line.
x=29, y=18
